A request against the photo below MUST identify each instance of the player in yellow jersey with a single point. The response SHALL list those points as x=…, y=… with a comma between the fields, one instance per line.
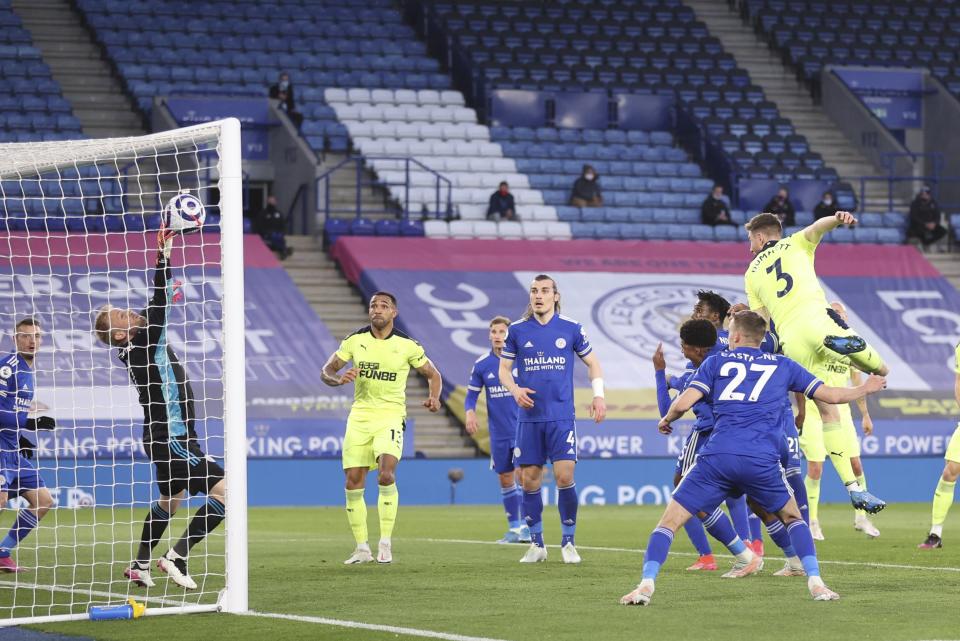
x=842, y=445
x=782, y=285
x=943, y=496
x=382, y=357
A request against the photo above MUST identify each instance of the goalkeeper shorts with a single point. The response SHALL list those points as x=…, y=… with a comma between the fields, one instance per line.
x=182, y=465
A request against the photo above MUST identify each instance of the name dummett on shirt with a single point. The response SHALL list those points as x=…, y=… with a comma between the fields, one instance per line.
x=372, y=371
x=781, y=246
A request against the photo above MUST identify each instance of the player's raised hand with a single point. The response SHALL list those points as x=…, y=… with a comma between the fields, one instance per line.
x=522, y=397
x=659, y=362
x=471, y=423
x=664, y=426
x=845, y=218
x=349, y=376
x=598, y=409
x=165, y=240
x=432, y=404
x=867, y=424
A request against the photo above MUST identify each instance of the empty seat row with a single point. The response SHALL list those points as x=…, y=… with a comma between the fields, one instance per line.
x=553, y=134
x=508, y=230
x=370, y=146
x=405, y=113
x=609, y=167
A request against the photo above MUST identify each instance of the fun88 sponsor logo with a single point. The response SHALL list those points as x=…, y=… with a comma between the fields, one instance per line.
x=640, y=316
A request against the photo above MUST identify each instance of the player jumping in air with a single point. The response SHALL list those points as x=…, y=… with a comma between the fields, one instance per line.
x=18, y=474
x=169, y=434
x=746, y=387
x=839, y=374
x=943, y=495
x=782, y=286
x=502, y=421
x=541, y=347
x=382, y=357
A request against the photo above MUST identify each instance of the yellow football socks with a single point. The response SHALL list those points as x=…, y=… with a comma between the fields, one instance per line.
x=357, y=514
x=813, y=496
x=942, y=500
x=387, y=504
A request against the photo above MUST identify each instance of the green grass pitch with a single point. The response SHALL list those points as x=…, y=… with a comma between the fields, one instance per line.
x=445, y=578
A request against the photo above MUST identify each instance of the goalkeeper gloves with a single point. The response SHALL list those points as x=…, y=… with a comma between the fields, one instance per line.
x=41, y=423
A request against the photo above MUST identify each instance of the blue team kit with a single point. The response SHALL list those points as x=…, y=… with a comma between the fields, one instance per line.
x=502, y=410
x=543, y=356
x=17, y=473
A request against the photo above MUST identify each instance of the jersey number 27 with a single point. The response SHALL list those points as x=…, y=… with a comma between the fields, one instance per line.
x=739, y=371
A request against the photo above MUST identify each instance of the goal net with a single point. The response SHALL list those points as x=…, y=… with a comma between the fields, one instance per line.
x=78, y=231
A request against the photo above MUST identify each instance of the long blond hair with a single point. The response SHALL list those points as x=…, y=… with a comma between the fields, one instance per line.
x=528, y=312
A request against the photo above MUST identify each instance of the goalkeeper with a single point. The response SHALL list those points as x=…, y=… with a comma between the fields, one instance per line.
x=169, y=437
x=18, y=474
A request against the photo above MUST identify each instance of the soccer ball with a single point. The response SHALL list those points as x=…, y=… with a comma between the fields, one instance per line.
x=184, y=213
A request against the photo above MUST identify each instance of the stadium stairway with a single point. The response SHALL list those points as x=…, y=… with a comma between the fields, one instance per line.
x=375, y=201
x=77, y=64
x=780, y=84
x=342, y=309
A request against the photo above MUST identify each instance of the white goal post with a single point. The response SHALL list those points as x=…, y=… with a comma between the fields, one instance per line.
x=78, y=233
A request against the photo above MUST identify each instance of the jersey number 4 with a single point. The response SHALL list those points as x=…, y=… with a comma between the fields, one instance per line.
x=739, y=371
x=787, y=279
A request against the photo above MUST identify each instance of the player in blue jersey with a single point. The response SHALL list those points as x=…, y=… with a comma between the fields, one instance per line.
x=18, y=474
x=502, y=423
x=541, y=347
x=746, y=387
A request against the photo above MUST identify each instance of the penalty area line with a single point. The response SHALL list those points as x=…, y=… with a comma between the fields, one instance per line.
x=357, y=625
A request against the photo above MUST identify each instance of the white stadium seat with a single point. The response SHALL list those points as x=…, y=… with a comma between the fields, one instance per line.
x=430, y=131
x=347, y=112
x=356, y=95
x=380, y=96
x=463, y=114
x=417, y=114
x=510, y=230
x=534, y=229
x=384, y=130
x=450, y=97
x=558, y=231
x=359, y=129
x=436, y=229
x=485, y=229
x=407, y=130
x=428, y=97
x=405, y=97
x=333, y=95
x=371, y=112
x=473, y=211
x=461, y=229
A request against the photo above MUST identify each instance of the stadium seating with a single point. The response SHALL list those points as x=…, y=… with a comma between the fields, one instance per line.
x=241, y=47
x=654, y=46
x=812, y=33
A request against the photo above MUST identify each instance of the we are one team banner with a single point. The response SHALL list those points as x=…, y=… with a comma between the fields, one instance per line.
x=63, y=278
x=630, y=296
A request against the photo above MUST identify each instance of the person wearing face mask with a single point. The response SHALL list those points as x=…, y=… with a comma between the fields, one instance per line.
x=502, y=206
x=586, y=189
x=781, y=207
x=714, y=210
x=282, y=91
x=826, y=207
x=925, y=219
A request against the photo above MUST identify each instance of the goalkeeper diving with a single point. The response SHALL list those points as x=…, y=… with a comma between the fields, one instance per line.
x=169, y=436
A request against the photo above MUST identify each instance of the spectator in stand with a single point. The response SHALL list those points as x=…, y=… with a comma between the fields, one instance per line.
x=502, y=206
x=826, y=208
x=282, y=91
x=586, y=189
x=925, y=219
x=781, y=207
x=272, y=227
x=714, y=210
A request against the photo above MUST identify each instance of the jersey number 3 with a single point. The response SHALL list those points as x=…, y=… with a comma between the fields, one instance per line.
x=739, y=371
x=787, y=279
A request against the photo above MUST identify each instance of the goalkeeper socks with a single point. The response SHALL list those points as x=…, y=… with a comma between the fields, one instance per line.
x=207, y=518
x=738, y=514
x=153, y=528
x=813, y=497
x=357, y=514
x=756, y=527
x=942, y=500
x=836, y=445
x=657, y=549
x=387, y=503
x=533, y=515
x=567, y=506
x=23, y=525
x=803, y=544
x=799, y=487
x=698, y=537
x=511, y=505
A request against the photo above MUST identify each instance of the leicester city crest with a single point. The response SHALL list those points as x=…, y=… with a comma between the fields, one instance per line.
x=640, y=316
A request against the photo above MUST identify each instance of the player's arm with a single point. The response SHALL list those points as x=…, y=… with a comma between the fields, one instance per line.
x=434, y=382
x=679, y=407
x=801, y=416
x=841, y=395
x=156, y=312
x=520, y=394
x=598, y=407
x=956, y=388
x=660, y=373
x=329, y=374
x=815, y=232
x=474, y=388
x=10, y=418
x=866, y=421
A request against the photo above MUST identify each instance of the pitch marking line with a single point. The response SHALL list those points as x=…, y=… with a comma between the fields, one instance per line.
x=415, y=632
